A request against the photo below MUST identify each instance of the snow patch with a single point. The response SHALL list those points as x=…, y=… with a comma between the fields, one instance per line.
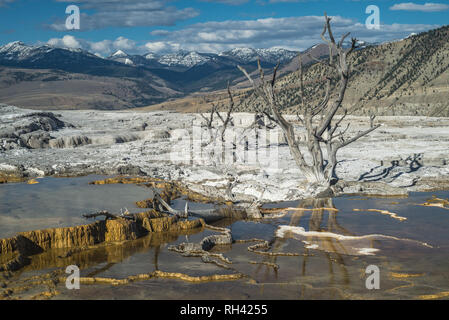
x=120, y=53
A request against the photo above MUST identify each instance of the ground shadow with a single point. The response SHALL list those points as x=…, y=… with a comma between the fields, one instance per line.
x=396, y=169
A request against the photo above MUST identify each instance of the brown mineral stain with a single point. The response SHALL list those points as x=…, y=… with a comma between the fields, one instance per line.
x=436, y=202
x=434, y=296
x=170, y=189
x=11, y=177
x=105, y=231
x=160, y=274
x=405, y=275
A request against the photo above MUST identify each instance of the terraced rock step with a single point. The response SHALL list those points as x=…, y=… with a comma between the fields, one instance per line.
x=26, y=244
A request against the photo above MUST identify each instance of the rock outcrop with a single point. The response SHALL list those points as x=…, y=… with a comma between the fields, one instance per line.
x=26, y=244
x=30, y=130
x=69, y=142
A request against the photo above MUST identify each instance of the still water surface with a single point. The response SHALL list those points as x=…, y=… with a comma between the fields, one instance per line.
x=326, y=268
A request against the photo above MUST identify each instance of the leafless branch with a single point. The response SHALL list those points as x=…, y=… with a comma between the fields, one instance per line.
x=167, y=207
x=210, y=120
x=344, y=143
x=320, y=170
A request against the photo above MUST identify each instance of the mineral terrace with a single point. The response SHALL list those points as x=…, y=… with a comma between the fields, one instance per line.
x=405, y=154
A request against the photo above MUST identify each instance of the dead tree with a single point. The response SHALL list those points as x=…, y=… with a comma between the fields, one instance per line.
x=322, y=130
x=216, y=133
x=210, y=120
x=225, y=121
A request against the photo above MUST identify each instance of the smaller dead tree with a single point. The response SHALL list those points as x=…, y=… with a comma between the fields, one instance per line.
x=228, y=121
x=215, y=145
x=321, y=127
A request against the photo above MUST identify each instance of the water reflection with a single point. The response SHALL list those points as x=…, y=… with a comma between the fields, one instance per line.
x=333, y=249
x=332, y=246
x=111, y=254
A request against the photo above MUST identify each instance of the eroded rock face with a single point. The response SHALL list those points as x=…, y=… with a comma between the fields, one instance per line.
x=160, y=134
x=106, y=231
x=70, y=142
x=46, y=121
x=114, y=139
x=30, y=130
x=15, y=264
x=36, y=140
x=17, y=173
x=130, y=170
x=171, y=189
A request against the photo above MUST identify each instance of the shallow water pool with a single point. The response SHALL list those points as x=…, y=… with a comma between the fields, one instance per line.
x=407, y=241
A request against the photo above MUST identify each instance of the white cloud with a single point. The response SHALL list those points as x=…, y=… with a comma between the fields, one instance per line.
x=123, y=43
x=103, y=48
x=160, y=46
x=67, y=42
x=427, y=7
x=130, y=13
x=295, y=33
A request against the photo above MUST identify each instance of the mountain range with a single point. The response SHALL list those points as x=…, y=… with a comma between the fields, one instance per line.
x=187, y=59
x=51, y=77
x=406, y=76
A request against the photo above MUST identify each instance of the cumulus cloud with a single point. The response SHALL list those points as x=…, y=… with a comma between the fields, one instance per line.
x=66, y=42
x=291, y=33
x=103, y=47
x=100, y=47
x=427, y=7
x=295, y=33
x=162, y=47
x=123, y=43
x=131, y=13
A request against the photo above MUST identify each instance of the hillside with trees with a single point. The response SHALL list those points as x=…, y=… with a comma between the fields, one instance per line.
x=407, y=77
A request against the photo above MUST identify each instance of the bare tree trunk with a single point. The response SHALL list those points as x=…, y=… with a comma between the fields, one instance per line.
x=321, y=127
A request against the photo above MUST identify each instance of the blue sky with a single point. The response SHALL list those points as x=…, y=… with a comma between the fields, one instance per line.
x=139, y=26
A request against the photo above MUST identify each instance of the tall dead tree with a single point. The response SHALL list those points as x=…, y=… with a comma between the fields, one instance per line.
x=322, y=130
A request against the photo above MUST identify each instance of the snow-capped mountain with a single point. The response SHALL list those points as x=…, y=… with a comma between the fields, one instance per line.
x=128, y=61
x=247, y=55
x=18, y=54
x=122, y=57
x=16, y=50
x=190, y=59
x=46, y=56
x=182, y=71
x=152, y=56
x=179, y=59
x=120, y=54
x=19, y=51
x=184, y=58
